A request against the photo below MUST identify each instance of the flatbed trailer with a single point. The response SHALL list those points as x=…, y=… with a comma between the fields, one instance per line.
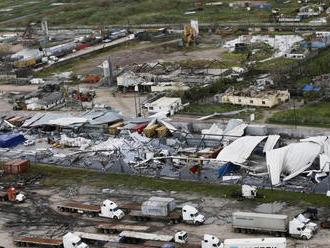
x=27, y=241
x=117, y=228
x=128, y=207
x=73, y=207
x=122, y=245
x=155, y=244
x=174, y=216
x=96, y=238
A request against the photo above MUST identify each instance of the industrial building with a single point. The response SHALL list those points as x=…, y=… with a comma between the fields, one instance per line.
x=267, y=98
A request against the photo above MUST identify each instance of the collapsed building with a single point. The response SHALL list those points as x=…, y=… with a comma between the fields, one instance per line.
x=250, y=97
x=157, y=77
x=232, y=152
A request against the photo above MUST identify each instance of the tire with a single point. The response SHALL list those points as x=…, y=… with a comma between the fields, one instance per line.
x=115, y=218
x=304, y=237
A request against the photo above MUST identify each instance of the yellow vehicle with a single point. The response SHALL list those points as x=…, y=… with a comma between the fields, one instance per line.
x=25, y=63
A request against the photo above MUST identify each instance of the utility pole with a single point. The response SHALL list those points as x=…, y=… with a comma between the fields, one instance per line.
x=135, y=103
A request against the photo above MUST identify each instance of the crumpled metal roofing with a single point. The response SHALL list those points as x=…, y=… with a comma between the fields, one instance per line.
x=107, y=117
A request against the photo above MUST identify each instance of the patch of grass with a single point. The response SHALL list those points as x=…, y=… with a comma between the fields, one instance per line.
x=59, y=176
x=274, y=64
x=98, y=12
x=211, y=108
x=316, y=115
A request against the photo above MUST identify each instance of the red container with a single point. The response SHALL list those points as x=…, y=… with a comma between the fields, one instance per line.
x=16, y=166
x=83, y=45
x=139, y=128
x=92, y=79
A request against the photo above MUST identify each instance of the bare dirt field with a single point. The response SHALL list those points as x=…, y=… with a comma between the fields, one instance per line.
x=38, y=216
x=147, y=52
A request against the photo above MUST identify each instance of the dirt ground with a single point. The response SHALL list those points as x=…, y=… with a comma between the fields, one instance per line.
x=38, y=216
x=147, y=52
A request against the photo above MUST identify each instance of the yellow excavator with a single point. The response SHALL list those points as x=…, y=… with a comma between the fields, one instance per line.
x=189, y=35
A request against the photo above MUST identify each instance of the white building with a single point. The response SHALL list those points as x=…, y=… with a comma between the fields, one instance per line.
x=168, y=105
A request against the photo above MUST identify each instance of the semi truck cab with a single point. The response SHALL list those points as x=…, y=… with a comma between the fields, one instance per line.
x=109, y=209
x=299, y=229
x=210, y=241
x=72, y=241
x=191, y=214
x=181, y=237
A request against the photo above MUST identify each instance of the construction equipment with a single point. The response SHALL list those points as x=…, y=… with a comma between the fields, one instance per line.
x=68, y=241
x=107, y=209
x=29, y=30
x=189, y=36
x=12, y=195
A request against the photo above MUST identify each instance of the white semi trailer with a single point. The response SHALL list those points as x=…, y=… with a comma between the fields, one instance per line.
x=255, y=243
x=276, y=224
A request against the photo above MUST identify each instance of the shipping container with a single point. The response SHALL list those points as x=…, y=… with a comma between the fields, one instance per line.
x=113, y=129
x=16, y=166
x=150, y=131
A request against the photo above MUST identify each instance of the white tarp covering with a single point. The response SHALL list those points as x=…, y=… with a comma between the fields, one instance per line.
x=240, y=150
x=291, y=160
x=271, y=142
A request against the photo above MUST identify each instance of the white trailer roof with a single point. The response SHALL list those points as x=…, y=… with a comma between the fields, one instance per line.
x=146, y=236
x=262, y=215
x=254, y=241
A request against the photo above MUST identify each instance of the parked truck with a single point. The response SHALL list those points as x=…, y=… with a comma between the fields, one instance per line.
x=107, y=209
x=179, y=240
x=165, y=209
x=12, y=195
x=270, y=223
x=68, y=241
x=255, y=243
